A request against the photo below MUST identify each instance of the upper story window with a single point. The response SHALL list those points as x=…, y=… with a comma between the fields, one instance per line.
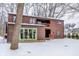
x=14, y=18
x=32, y=20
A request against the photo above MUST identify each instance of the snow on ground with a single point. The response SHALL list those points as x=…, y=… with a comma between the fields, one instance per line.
x=56, y=47
x=2, y=40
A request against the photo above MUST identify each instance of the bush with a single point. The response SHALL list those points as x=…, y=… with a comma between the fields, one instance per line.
x=77, y=36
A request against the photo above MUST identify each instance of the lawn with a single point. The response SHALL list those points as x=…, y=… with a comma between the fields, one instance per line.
x=56, y=47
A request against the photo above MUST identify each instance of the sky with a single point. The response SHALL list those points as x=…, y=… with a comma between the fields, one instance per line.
x=74, y=20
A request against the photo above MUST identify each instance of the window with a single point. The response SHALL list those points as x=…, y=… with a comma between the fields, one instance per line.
x=32, y=20
x=21, y=33
x=28, y=34
x=34, y=32
x=14, y=18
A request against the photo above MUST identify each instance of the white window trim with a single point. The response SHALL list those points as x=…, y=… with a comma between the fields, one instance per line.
x=28, y=36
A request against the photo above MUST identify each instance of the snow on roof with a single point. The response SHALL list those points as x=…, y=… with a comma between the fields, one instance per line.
x=27, y=24
x=37, y=16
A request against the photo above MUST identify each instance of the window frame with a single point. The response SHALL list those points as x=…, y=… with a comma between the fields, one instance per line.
x=28, y=37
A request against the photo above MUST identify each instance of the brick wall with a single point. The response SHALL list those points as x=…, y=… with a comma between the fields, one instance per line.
x=55, y=27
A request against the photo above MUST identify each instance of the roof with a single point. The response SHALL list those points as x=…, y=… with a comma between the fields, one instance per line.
x=39, y=17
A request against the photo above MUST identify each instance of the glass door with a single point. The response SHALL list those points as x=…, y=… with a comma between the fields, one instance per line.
x=32, y=33
x=23, y=34
x=28, y=34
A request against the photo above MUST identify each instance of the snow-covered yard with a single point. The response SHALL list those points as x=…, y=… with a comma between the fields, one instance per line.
x=57, y=47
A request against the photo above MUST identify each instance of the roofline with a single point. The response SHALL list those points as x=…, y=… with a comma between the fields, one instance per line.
x=40, y=25
x=40, y=17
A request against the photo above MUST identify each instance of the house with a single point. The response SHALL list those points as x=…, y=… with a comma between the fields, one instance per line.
x=35, y=28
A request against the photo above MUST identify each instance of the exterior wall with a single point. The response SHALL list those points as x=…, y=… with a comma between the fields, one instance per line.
x=55, y=27
x=40, y=32
x=25, y=19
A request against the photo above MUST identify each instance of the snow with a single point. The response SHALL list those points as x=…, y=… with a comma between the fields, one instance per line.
x=27, y=24
x=56, y=47
x=2, y=40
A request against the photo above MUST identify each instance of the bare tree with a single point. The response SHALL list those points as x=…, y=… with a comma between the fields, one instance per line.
x=5, y=8
x=2, y=18
x=1, y=28
x=69, y=26
x=27, y=8
x=75, y=7
x=54, y=10
x=15, y=38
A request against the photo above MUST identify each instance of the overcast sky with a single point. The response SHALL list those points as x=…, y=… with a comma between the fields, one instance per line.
x=74, y=19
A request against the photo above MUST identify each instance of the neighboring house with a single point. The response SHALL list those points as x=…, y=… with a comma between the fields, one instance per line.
x=36, y=28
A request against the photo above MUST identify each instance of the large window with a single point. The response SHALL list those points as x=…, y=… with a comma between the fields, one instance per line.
x=28, y=34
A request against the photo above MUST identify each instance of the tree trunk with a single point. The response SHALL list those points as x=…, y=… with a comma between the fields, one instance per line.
x=1, y=28
x=15, y=37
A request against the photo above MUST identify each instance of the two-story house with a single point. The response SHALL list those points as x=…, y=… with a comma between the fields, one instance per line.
x=36, y=28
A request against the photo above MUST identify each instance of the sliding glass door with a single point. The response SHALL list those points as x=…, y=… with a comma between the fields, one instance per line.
x=28, y=34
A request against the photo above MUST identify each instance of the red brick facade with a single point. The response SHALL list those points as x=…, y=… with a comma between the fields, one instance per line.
x=55, y=28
